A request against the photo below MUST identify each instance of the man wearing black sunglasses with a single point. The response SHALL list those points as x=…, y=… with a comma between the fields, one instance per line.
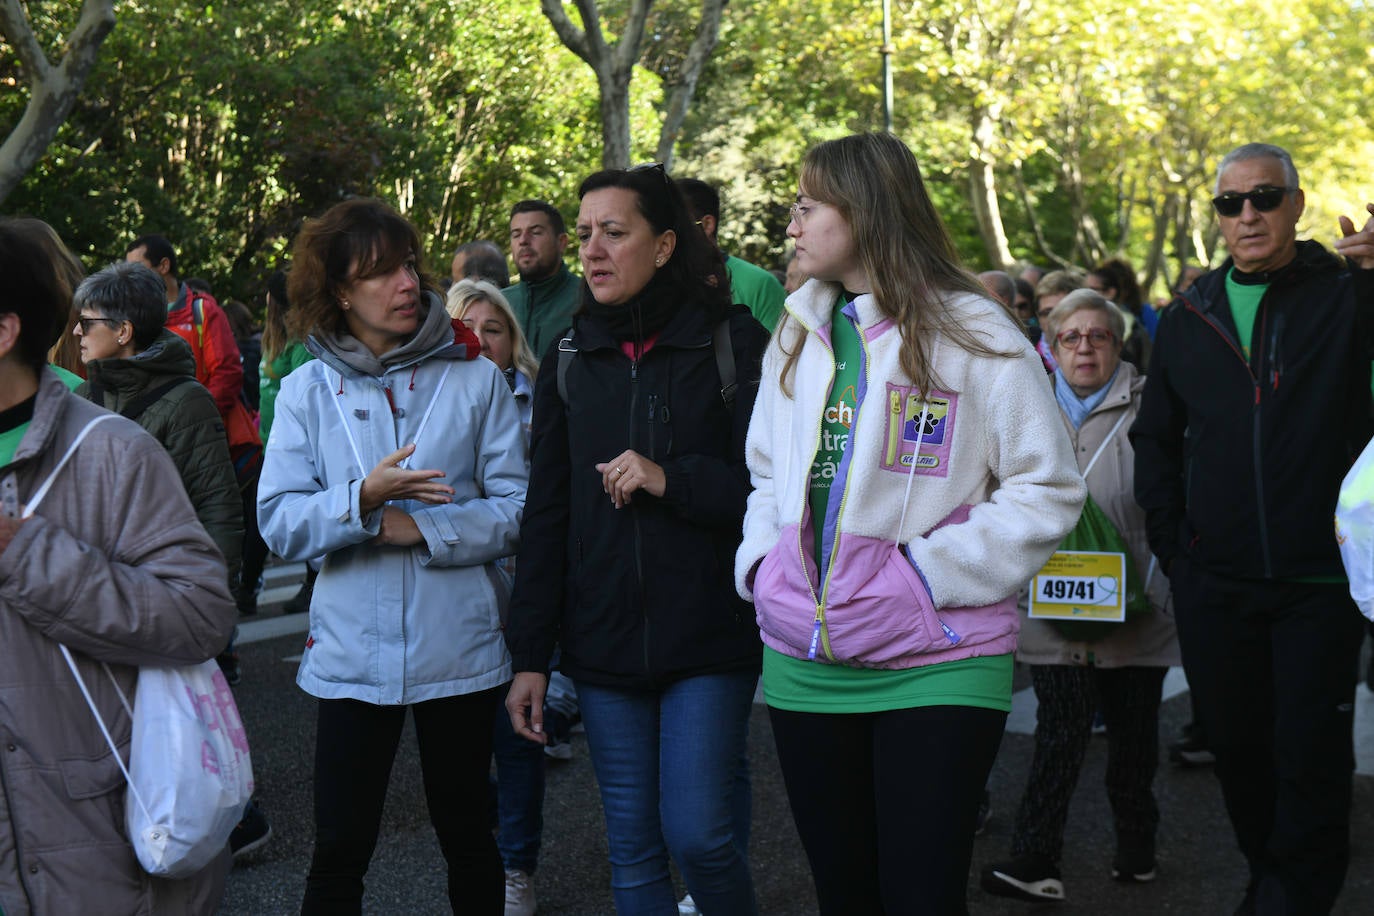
x=1257, y=402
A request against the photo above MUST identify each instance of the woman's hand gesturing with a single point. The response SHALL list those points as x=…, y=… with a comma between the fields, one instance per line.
x=388, y=481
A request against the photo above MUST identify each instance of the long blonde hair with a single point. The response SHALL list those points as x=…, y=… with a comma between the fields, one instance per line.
x=467, y=291
x=911, y=263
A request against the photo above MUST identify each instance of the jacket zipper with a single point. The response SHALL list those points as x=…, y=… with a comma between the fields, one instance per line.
x=1255, y=438
x=634, y=516
x=820, y=636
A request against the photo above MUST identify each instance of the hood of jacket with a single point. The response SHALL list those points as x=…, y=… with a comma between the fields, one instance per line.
x=168, y=356
x=438, y=336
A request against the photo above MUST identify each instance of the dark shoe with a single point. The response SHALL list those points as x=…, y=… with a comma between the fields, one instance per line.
x=1135, y=861
x=1192, y=749
x=984, y=813
x=299, y=603
x=557, y=746
x=251, y=833
x=229, y=664
x=247, y=601
x=1030, y=877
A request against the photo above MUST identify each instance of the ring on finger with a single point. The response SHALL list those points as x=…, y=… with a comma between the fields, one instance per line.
x=620, y=471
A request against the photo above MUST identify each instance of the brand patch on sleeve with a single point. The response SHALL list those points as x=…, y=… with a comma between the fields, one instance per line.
x=909, y=418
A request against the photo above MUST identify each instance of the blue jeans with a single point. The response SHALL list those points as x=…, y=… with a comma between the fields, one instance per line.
x=668, y=766
x=519, y=793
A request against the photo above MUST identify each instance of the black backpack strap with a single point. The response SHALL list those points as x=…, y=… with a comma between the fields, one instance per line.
x=134, y=409
x=566, y=351
x=725, y=361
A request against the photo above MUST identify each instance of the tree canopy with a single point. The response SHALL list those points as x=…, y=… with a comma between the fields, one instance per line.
x=1054, y=133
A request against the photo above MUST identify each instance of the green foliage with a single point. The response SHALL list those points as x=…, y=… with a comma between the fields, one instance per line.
x=224, y=126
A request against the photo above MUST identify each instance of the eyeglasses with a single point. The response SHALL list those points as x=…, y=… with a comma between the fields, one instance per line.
x=86, y=323
x=1097, y=338
x=1263, y=199
x=801, y=211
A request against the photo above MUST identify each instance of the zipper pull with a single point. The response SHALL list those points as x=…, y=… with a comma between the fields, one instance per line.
x=653, y=407
x=815, y=636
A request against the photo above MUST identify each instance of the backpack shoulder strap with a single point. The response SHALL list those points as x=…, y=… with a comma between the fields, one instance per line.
x=198, y=320
x=134, y=409
x=566, y=351
x=725, y=361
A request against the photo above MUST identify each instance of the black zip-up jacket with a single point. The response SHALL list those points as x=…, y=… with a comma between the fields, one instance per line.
x=1238, y=464
x=641, y=596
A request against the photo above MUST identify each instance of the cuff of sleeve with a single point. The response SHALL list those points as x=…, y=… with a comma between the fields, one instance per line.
x=439, y=532
x=371, y=522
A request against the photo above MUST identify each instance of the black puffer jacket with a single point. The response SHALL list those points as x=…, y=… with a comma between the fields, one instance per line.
x=1237, y=464
x=644, y=595
x=187, y=423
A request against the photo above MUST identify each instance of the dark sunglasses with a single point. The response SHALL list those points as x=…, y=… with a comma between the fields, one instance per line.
x=651, y=167
x=1263, y=200
x=88, y=323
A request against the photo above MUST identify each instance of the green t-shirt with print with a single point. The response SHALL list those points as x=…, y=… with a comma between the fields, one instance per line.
x=835, y=422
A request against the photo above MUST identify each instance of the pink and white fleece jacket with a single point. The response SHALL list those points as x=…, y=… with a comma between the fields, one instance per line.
x=996, y=489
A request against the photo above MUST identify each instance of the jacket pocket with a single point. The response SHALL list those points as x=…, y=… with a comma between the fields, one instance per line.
x=878, y=609
x=783, y=602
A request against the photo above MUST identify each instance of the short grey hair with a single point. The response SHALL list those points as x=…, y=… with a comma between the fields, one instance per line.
x=1081, y=300
x=485, y=261
x=127, y=291
x=1259, y=151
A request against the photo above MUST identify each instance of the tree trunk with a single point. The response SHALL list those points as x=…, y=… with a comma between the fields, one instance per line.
x=615, y=120
x=983, y=192
x=53, y=90
x=685, y=86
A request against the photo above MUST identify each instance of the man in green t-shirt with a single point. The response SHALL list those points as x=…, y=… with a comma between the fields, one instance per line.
x=1256, y=404
x=750, y=284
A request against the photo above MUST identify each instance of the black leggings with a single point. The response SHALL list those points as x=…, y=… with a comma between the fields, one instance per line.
x=886, y=803
x=354, y=748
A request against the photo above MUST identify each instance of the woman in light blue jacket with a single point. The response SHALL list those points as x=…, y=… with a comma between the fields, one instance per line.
x=398, y=457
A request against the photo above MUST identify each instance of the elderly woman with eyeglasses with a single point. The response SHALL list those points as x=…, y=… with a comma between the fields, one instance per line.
x=1117, y=668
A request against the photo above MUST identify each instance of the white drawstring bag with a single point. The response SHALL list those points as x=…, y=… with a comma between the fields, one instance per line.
x=189, y=770
x=1355, y=529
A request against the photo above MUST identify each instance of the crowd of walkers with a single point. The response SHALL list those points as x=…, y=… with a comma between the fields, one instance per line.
x=871, y=484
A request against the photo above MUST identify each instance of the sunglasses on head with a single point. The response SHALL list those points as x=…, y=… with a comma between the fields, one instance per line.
x=1263, y=199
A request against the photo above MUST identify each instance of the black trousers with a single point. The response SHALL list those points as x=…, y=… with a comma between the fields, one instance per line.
x=1068, y=696
x=354, y=748
x=1274, y=667
x=886, y=803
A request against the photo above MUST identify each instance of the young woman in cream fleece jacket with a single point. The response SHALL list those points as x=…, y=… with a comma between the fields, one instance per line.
x=909, y=478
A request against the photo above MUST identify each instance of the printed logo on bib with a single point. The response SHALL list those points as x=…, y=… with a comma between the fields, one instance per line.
x=910, y=418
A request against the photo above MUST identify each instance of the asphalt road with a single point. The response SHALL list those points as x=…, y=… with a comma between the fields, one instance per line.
x=1200, y=871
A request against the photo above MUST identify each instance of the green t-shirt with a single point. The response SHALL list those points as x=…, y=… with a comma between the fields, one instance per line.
x=835, y=422
x=13, y=424
x=1244, y=299
x=755, y=287
x=70, y=379
x=798, y=685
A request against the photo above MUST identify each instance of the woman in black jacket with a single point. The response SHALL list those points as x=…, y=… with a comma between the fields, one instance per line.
x=637, y=495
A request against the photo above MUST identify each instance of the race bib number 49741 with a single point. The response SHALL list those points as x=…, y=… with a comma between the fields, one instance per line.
x=1080, y=585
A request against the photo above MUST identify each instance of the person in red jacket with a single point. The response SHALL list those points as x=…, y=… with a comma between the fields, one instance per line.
x=197, y=318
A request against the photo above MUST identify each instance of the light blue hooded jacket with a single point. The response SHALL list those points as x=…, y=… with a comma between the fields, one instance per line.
x=398, y=625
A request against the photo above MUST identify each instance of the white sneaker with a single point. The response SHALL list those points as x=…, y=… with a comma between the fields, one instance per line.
x=519, y=893
x=687, y=907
